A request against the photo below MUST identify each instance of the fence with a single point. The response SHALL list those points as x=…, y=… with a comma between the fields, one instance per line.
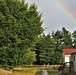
x=37, y=67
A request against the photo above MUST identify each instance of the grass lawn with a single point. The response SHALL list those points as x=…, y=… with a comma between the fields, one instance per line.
x=27, y=72
x=34, y=72
x=52, y=72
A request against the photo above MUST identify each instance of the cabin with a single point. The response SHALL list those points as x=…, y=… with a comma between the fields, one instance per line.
x=67, y=55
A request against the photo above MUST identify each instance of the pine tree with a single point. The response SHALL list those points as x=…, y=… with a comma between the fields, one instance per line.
x=20, y=26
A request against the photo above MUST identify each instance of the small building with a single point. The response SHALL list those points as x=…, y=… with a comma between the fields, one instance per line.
x=67, y=55
x=73, y=61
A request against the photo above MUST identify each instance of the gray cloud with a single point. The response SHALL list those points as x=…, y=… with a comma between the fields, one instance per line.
x=53, y=17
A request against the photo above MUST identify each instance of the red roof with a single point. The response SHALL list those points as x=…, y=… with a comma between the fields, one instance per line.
x=67, y=51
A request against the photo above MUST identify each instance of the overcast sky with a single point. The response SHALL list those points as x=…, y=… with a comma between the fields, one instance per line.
x=54, y=17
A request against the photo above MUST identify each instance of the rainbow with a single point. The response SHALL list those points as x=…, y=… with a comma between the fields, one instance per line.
x=66, y=11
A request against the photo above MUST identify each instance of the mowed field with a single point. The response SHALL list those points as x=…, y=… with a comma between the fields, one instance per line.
x=4, y=72
x=30, y=70
x=23, y=73
x=27, y=72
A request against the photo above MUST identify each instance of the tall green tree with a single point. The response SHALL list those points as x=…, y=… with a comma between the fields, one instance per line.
x=67, y=40
x=45, y=49
x=20, y=26
x=63, y=40
x=58, y=37
x=74, y=39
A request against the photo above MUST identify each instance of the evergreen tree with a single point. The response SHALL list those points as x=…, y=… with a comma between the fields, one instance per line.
x=74, y=39
x=45, y=49
x=58, y=37
x=67, y=40
x=20, y=26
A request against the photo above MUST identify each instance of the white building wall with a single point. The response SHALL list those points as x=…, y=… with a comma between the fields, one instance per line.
x=67, y=60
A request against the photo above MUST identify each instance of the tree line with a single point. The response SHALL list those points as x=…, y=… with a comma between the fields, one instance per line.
x=22, y=41
x=49, y=48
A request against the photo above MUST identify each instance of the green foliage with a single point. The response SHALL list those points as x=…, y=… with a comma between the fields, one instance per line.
x=20, y=26
x=67, y=40
x=45, y=49
x=74, y=39
x=58, y=37
x=20, y=40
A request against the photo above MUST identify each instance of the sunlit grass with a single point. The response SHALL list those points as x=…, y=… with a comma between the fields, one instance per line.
x=35, y=70
x=27, y=72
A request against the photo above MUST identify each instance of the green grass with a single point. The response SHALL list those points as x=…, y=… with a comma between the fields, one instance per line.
x=36, y=72
x=28, y=70
x=39, y=73
x=52, y=72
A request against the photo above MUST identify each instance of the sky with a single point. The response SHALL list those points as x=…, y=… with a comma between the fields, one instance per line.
x=57, y=14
